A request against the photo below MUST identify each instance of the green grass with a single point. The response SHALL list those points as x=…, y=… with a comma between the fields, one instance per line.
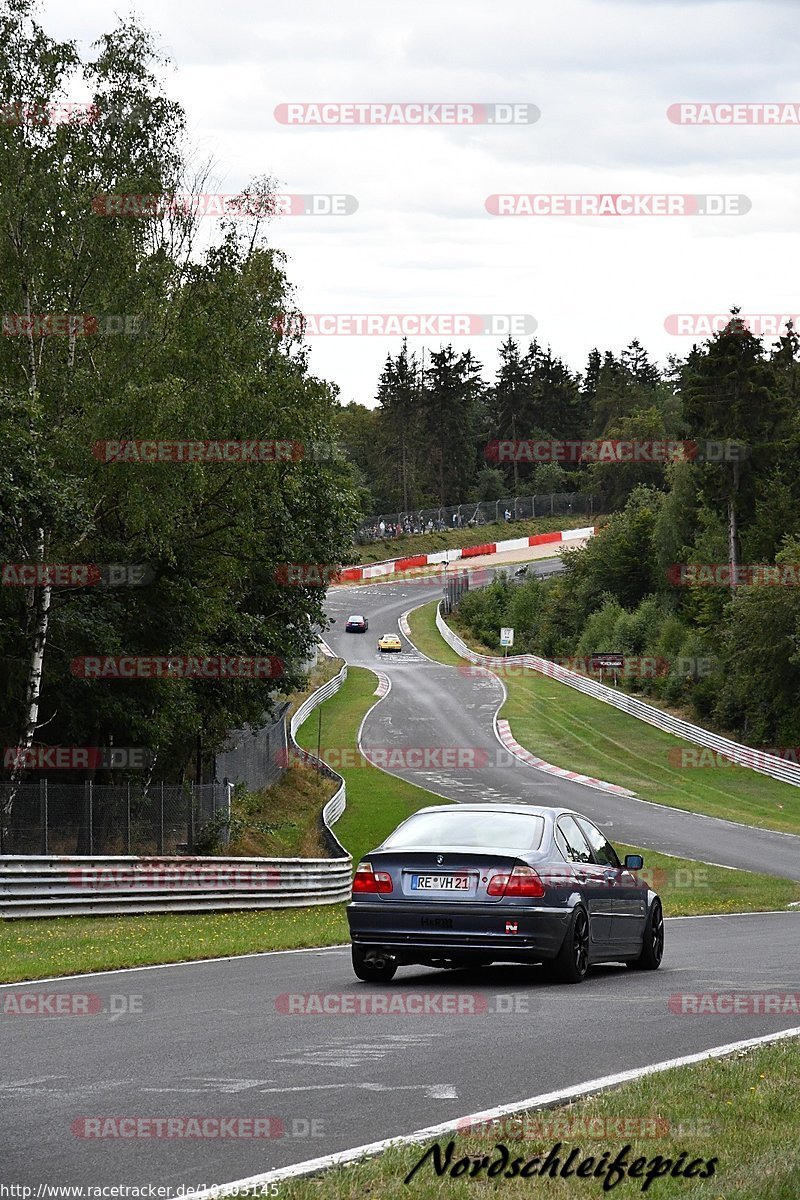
x=688, y=888
x=281, y=821
x=73, y=945
x=376, y=802
x=741, y=1111
x=426, y=637
x=497, y=531
x=571, y=730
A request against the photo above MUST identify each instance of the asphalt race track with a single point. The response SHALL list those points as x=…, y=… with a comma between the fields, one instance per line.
x=223, y=1040
x=431, y=705
x=211, y=1041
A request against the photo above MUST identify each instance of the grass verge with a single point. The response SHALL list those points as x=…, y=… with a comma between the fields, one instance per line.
x=376, y=802
x=426, y=637
x=571, y=730
x=281, y=821
x=447, y=539
x=74, y=945
x=737, y=1113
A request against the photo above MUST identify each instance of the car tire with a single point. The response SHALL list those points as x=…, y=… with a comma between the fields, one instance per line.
x=652, y=942
x=572, y=961
x=367, y=971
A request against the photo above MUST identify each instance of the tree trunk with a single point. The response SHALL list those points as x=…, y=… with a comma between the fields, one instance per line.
x=733, y=552
x=42, y=597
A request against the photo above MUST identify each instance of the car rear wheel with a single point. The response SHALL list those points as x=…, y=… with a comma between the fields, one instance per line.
x=572, y=961
x=653, y=942
x=373, y=966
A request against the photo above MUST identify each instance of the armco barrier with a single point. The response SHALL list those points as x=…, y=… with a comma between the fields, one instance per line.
x=336, y=805
x=61, y=886
x=81, y=886
x=767, y=764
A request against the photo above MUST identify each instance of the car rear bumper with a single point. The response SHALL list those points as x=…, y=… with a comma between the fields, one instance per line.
x=459, y=929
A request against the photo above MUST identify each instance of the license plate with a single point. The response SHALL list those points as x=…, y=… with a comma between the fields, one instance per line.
x=440, y=883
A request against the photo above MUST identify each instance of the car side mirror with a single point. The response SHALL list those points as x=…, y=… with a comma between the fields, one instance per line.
x=633, y=862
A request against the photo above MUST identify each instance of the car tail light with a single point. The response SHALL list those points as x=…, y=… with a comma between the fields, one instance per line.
x=373, y=882
x=523, y=881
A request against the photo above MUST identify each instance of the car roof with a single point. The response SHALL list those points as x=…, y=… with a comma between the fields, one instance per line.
x=535, y=810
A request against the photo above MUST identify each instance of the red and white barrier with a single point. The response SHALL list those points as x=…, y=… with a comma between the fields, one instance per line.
x=394, y=566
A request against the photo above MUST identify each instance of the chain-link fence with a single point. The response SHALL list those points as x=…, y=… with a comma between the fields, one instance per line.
x=255, y=757
x=44, y=817
x=462, y=516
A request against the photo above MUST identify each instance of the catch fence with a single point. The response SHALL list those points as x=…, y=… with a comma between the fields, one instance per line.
x=483, y=512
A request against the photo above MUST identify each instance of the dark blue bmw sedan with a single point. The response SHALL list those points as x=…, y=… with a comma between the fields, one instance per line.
x=472, y=884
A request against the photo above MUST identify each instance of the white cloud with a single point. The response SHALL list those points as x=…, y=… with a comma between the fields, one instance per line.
x=603, y=72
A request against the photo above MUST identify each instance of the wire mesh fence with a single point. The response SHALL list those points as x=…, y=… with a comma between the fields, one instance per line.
x=462, y=516
x=255, y=757
x=46, y=817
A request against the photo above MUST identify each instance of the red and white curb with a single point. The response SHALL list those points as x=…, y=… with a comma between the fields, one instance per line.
x=510, y=742
x=393, y=566
x=384, y=685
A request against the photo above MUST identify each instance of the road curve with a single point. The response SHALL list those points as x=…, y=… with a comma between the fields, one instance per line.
x=434, y=706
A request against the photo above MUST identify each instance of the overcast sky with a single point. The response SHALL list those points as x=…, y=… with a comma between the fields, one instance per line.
x=602, y=72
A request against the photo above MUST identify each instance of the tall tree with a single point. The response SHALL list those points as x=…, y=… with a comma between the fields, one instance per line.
x=209, y=364
x=450, y=420
x=730, y=395
x=399, y=397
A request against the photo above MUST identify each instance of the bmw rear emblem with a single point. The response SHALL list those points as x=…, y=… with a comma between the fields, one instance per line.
x=439, y=858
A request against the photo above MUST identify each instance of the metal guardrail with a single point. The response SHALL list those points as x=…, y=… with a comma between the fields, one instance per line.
x=80, y=885
x=743, y=756
x=336, y=805
x=39, y=886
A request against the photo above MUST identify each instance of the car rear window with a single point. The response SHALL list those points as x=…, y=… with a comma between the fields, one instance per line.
x=478, y=831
